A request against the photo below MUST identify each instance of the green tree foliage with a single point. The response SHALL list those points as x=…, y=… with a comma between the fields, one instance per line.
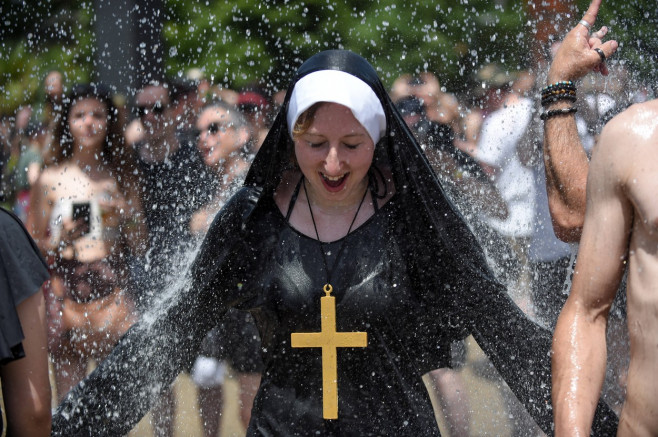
x=39, y=36
x=242, y=41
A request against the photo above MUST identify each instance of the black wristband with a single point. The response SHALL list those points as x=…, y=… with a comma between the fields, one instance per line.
x=554, y=112
x=545, y=101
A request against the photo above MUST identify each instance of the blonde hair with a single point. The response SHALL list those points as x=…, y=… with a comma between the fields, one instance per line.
x=304, y=121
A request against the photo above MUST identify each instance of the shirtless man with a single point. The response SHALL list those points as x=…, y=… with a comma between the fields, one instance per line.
x=620, y=228
x=621, y=225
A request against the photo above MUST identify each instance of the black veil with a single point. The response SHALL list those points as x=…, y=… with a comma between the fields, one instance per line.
x=412, y=173
x=130, y=379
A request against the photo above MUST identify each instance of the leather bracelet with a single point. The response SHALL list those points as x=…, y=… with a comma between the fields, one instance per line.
x=555, y=112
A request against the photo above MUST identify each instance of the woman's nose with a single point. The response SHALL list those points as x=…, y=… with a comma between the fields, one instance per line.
x=88, y=120
x=202, y=136
x=332, y=161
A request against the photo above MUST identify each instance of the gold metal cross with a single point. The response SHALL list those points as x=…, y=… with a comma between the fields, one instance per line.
x=328, y=339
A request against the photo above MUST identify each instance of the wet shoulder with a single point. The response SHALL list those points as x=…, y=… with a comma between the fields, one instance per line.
x=635, y=127
x=627, y=156
x=51, y=173
x=628, y=143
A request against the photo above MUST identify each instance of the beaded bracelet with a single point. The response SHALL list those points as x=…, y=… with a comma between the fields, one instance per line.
x=558, y=91
x=561, y=85
x=554, y=112
x=563, y=90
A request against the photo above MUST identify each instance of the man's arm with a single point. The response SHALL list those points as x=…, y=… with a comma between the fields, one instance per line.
x=25, y=384
x=39, y=213
x=564, y=158
x=566, y=167
x=579, y=343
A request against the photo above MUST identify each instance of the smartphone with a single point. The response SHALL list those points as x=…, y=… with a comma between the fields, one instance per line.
x=82, y=211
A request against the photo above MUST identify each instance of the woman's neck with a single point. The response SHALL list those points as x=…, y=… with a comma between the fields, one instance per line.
x=159, y=148
x=89, y=159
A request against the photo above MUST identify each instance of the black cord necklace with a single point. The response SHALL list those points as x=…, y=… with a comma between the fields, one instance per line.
x=328, y=338
x=328, y=288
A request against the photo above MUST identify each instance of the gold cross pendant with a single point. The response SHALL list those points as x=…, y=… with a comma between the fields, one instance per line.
x=328, y=339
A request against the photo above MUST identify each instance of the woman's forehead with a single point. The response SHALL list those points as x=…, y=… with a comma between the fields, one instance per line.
x=334, y=118
x=87, y=103
x=214, y=111
x=214, y=114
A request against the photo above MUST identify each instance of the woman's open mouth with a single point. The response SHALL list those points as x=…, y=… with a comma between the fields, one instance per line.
x=334, y=183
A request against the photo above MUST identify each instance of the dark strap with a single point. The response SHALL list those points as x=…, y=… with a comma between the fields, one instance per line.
x=374, y=186
x=374, y=200
x=293, y=199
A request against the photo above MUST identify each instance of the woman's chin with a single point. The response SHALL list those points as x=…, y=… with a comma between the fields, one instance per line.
x=213, y=161
x=210, y=162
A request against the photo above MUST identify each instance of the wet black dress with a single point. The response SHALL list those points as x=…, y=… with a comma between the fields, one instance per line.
x=380, y=391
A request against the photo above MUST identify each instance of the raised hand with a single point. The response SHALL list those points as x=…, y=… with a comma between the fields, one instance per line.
x=578, y=54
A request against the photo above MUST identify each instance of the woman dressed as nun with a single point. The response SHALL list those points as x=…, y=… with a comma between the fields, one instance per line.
x=357, y=269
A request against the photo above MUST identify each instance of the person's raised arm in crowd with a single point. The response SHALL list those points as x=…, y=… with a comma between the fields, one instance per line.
x=565, y=159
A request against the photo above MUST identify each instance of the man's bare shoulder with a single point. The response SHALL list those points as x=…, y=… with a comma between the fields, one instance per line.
x=637, y=124
x=629, y=135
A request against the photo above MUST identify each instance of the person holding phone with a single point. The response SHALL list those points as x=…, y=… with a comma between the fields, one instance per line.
x=84, y=220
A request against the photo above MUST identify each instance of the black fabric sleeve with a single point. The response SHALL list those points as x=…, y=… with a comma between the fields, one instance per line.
x=148, y=358
x=22, y=272
x=520, y=350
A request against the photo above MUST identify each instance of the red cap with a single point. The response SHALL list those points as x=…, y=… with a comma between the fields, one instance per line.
x=252, y=98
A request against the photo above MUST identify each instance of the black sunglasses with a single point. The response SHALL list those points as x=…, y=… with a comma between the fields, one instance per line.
x=213, y=128
x=157, y=109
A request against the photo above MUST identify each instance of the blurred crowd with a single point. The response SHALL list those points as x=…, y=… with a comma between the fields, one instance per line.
x=114, y=190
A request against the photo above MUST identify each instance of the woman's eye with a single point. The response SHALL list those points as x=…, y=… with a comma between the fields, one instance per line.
x=314, y=145
x=351, y=146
